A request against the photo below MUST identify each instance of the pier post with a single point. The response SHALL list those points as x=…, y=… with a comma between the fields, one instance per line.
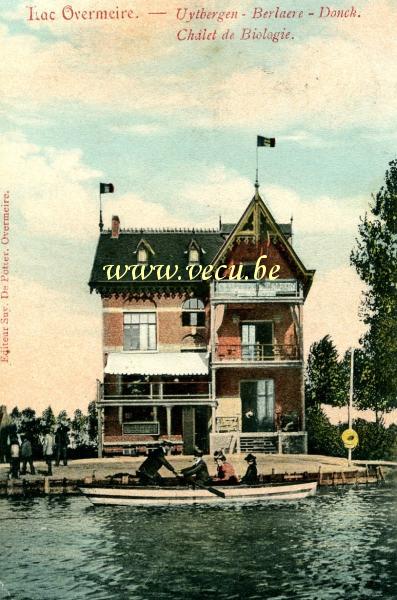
x=279, y=443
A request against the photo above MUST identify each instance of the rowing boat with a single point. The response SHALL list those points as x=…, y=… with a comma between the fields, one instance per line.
x=156, y=495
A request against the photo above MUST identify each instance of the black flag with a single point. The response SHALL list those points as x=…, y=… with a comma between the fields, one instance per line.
x=106, y=188
x=264, y=141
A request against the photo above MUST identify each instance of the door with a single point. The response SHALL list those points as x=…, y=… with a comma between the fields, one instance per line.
x=257, y=340
x=257, y=405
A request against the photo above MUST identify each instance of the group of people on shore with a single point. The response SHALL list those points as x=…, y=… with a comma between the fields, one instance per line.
x=148, y=472
x=54, y=445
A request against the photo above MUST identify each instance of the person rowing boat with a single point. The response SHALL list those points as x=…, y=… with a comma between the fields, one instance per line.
x=198, y=471
x=148, y=472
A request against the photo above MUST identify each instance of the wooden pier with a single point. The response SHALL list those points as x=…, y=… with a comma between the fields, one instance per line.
x=45, y=486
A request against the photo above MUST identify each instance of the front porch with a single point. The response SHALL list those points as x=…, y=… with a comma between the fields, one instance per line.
x=264, y=442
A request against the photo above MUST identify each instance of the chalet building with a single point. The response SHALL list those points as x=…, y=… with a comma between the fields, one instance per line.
x=211, y=363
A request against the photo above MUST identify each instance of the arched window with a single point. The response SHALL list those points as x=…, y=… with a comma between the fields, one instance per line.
x=193, y=312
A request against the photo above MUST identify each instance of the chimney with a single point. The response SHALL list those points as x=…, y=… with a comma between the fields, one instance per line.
x=115, y=227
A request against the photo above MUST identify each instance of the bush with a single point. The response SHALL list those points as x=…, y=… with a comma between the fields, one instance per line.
x=323, y=438
x=376, y=442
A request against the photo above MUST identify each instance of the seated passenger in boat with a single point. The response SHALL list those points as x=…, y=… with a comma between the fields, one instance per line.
x=198, y=471
x=148, y=472
x=225, y=470
x=251, y=475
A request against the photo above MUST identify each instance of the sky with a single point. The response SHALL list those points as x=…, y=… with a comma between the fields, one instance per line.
x=173, y=126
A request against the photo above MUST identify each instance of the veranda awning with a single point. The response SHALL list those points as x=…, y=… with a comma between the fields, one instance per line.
x=159, y=363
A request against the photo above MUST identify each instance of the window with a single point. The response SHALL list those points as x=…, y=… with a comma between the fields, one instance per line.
x=257, y=405
x=257, y=340
x=193, y=313
x=194, y=255
x=142, y=255
x=140, y=331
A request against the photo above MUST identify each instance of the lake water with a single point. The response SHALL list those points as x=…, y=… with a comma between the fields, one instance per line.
x=340, y=544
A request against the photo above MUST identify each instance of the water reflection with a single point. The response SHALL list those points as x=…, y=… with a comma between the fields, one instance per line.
x=341, y=542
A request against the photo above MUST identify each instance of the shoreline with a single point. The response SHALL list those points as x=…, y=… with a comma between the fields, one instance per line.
x=273, y=468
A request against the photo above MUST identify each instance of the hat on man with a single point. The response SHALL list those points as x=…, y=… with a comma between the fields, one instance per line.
x=219, y=455
x=250, y=458
x=197, y=452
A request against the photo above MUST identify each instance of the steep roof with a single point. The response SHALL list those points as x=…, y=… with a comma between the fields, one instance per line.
x=170, y=247
x=257, y=223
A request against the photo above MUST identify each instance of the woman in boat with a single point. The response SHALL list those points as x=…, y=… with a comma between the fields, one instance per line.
x=226, y=473
x=251, y=475
x=148, y=472
x=198, y=471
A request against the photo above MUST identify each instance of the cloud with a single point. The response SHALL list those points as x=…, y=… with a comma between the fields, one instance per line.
x=55, y=349
x=304, y=138
x=218, y=191
x=332, y=308
x=322, y=214
x=139, y=129
x=344, y=78
x=135, y=211
x=53, y=187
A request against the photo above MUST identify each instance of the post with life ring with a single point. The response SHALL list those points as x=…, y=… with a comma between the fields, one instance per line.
x=349, y=436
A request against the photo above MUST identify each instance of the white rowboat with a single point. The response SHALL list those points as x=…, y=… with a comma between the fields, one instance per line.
x=155, y=495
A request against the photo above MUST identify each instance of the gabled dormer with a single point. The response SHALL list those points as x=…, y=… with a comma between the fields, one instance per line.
x=194, y=252
x=143, y=252
x=257, y=234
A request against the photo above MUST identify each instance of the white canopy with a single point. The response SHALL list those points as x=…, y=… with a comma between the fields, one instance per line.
x=159, y=363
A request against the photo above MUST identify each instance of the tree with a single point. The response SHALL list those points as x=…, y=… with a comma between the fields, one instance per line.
x=47, y=420
x=325, y=381
x=80, y=428
x=375, y=259
x=62, y=417
x=92, y=422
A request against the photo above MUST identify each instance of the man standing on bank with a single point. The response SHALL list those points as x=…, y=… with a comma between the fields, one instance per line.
x=27, y=456
x=148, y=472
x=198, y=471
x=61, y=444
x=48, y=449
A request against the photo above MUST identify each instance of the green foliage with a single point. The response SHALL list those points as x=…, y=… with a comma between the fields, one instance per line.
x=323, y=438
x=62, y=417
x=325, y=381
x=376, y=442
x=47, y=420
x=92, y=422
x=375, y=259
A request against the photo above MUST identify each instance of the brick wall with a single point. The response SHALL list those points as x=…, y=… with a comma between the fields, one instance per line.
x=279, y=314
x=287, y=385
x=276, y=255
x=172, y=335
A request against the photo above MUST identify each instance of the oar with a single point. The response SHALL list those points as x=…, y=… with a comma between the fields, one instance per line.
x=203, y=487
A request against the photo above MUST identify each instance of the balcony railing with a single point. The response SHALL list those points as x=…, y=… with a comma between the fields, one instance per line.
x=257, y=290
x=257, y=352
x=156, y=390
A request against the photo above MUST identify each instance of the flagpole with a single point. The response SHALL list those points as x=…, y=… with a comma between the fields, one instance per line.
x=257, y=165
x=100, y=211
x=350, y=411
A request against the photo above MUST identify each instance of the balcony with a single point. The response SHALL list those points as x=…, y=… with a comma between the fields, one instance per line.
x=249, y=353
x=155, y=392
x=283, y=290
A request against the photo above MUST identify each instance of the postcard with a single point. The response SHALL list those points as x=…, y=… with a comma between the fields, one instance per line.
x=197, y=299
